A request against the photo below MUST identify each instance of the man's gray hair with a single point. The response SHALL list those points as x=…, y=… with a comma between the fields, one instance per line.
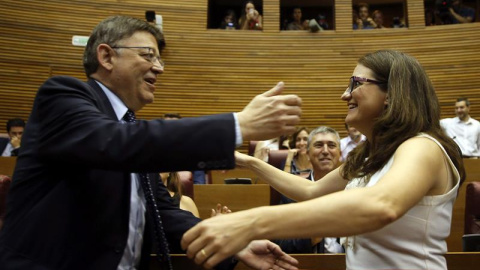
x=323, y=130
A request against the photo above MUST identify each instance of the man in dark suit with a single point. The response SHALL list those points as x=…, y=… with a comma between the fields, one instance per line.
x=10, y=147
x=76, y=201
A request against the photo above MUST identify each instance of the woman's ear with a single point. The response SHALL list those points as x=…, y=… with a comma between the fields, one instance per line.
x=387, y=100
x=105, y=53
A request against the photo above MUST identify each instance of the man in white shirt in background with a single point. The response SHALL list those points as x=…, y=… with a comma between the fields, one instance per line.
x=348, y=143
x=463, y=129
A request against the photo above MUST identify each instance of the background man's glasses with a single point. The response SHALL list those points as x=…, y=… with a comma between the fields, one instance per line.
x=149, y=56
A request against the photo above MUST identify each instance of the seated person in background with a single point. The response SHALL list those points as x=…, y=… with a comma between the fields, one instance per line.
x=378, y=19
x=322, y=21
x=229, y=20
x=220, y=210
x=364, y=21
x=348, y=143
x=298, y=161
x=429, y=17
x=172, y=182
x=398, y=22
x=15, y=129
x=263, y=148
x=324, y=153
x=297, y=23
x=251, y=18
x=461, y=13
x=463, y=129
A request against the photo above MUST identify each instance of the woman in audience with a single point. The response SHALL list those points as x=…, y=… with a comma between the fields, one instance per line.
x=297, y=160
x=378, y=19
x=172, y=181
x=392, y=198
x=251, y=18
x=364, y=20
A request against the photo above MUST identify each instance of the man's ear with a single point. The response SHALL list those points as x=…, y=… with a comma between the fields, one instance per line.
x=104, y=56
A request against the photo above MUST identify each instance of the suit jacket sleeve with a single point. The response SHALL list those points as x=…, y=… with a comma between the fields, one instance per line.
x=295, y=246
x=75, y=128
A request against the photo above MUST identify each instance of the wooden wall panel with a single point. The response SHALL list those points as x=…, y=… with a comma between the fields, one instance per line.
x=212, y=71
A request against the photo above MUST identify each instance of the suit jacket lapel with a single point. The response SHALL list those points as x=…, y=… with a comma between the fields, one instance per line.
x=104, y=104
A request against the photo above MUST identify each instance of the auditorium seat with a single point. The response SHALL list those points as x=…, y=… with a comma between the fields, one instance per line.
x=277, y=159
x=251, y=147
x=471, y=237
x=4, y=186
x=472, y=208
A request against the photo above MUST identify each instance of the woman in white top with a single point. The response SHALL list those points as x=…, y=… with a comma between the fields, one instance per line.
x=392, y=198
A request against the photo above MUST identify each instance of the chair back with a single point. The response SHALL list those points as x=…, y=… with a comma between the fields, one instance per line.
x=251, y=147
x=277, y=159
x=472, y=208
x=4, y=187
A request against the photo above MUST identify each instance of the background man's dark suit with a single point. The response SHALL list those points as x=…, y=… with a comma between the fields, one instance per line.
x=72, y=179
x=3, y=144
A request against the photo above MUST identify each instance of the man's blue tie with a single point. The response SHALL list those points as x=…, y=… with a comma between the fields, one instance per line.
x=163, y=252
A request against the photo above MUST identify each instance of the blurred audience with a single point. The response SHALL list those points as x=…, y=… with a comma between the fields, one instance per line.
x=429, y=17
x=229, y=21
x=354, y=19
x=364, y=20
x=461, y=13
x=251, y=18
x=322, y=21
x=297, y=23
x=378, y=19
x=453, y=12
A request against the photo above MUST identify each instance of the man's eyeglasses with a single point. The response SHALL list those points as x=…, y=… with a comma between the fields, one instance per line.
x=149, y=56
x=355, y=82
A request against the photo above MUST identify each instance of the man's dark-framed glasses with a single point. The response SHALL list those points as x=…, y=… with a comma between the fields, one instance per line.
x=149, y=55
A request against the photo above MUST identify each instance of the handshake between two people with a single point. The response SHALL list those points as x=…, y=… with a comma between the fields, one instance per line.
x=268, y=115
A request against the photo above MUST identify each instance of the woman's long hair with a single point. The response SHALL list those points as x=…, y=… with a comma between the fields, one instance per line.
x=173, y=184
x=412, y=108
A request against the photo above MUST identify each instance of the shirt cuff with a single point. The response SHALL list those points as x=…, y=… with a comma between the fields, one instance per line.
x=238, y=132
